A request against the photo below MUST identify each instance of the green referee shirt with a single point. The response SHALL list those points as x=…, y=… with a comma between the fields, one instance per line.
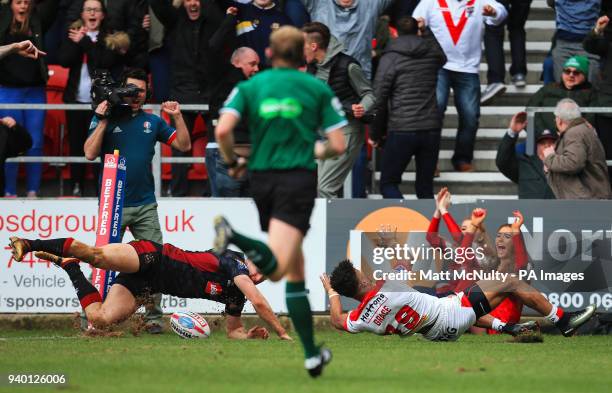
x=285, y=110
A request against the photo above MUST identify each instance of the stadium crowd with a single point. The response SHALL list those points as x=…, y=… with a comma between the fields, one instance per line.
x=391, y=63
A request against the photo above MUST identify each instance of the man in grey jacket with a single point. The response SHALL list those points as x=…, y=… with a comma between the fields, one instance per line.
x=352, y=22
x=406, y=106
x=323, y=53
x=576, y=167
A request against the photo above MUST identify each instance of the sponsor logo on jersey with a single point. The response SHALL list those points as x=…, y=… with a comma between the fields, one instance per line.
x=286, y=108
x=213, y=288
x=374, y=306
x=117, y=130
x=378, y=320
x=147, y=127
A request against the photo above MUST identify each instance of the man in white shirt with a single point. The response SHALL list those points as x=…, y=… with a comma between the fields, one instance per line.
x=459, y=27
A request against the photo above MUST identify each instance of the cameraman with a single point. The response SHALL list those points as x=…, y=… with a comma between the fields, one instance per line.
x=135, y=135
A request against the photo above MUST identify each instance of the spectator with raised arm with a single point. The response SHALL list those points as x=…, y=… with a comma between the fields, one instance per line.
x=525, y=170
x=86, y=49
x=23, y=79
x=459, y=28
x=24, y=48
x=255, y=21
x=201, y=36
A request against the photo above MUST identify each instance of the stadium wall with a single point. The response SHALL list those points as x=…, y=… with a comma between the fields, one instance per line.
x=33, y=286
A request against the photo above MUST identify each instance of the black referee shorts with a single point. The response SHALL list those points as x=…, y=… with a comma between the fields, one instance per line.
x=287, y=195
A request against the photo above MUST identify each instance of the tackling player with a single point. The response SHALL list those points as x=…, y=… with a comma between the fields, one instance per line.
x=395, y=308
x=146, y=268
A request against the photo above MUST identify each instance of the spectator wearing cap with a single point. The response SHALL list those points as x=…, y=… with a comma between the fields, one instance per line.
x=459, y=28
x=406, y=108
x=576, y=166
x=323, y=53
x=352, y=22
x=525, y=170
x=574, y=85
x=599, y=42
x=574, y=20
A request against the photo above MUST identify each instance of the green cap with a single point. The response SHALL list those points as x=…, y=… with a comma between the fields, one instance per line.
x=581, y=63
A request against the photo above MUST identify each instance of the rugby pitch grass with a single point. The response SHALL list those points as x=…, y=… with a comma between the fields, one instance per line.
x=362, y=363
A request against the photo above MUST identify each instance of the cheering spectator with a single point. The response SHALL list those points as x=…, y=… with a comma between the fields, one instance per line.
x=573, y=85
x=126, y=16
x=574, y=21
x=245, y=62
x=344, y=75
x=84, y=50
x=198, y=34
x=23, y=79
x=518, y=11
x=352, y=22
x=525, y=170
x=405, y=89
x=599, y=42
x=459, y=26
x=255, y=21
x=576, y=166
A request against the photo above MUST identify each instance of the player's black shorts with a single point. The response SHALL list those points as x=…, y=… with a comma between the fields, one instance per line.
x=287, y=195
x=143, y=282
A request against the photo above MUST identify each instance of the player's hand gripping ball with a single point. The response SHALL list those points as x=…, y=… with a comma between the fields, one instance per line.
x=189, y=325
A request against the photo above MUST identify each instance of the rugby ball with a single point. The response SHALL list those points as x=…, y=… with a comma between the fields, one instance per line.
x=189, y=325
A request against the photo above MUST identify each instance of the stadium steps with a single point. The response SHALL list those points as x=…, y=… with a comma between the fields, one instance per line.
x=487, y=182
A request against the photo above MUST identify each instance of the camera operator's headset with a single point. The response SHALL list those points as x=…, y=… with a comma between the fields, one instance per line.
x=124, y=79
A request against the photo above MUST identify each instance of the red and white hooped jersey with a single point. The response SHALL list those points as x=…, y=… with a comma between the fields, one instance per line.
x=393, y=308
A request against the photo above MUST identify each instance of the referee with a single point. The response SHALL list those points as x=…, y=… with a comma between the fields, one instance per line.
x=285, y=109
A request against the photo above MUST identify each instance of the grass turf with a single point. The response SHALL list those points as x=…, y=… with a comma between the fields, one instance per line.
x=167, y=363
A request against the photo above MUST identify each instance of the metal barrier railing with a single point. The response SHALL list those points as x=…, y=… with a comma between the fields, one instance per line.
x=157, y=159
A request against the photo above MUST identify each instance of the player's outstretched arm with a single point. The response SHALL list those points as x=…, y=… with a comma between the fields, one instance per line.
x=261, y=305
x=336, y=316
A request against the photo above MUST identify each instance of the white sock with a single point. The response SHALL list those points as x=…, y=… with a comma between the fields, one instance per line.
x=553, y=316
x=498, y=325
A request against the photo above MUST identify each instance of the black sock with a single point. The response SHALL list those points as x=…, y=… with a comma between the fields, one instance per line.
x=86, y=292
x=57, y=247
